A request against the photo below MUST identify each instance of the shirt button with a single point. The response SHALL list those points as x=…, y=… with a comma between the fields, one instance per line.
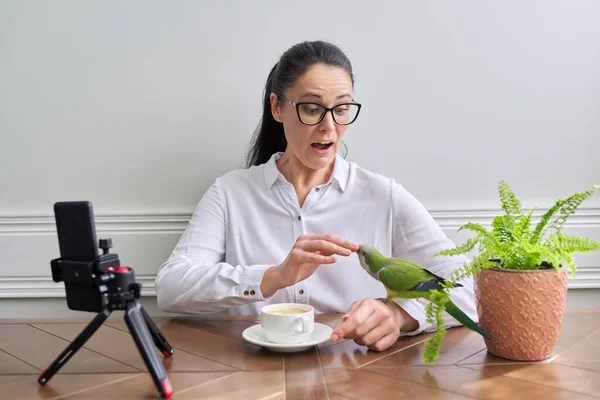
x=301, y=291
x=317, y=189
x=245, y=293
x=252, y=292
x=299, y=217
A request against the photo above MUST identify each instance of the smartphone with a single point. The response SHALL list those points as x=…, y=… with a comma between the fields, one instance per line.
x=76, y=230
x=79, y=252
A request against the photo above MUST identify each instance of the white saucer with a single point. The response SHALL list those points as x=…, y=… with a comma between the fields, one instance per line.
x=255, y=335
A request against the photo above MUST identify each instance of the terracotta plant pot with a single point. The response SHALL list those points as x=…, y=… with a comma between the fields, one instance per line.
x=522, y=310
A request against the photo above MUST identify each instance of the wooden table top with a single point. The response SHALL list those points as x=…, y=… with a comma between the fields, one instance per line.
x=212, y=360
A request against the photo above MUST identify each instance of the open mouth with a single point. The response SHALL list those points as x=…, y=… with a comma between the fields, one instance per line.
x=322, y=145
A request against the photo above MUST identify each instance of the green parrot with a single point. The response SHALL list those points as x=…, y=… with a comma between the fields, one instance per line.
x=407, y=280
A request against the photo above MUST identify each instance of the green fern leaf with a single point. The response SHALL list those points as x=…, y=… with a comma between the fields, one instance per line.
x=475, y=227
x=523, y=227
x=524, y=256
x=458, y=250
x=540, y=227
x=571, y=205
x=561, y=243
x=571, y=265
x=468, y=269
x=433, y=312
x=510, y=203
x=502, y=228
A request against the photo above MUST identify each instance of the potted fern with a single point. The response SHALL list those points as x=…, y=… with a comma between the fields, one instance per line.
x=520, y=272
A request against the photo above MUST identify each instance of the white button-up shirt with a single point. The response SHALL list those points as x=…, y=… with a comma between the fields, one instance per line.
x=249, y=219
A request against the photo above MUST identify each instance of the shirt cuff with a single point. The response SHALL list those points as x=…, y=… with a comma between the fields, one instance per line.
x=249, y=287
x=417, y=311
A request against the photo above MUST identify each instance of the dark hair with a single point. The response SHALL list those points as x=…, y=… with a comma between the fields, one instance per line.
x=269, y=137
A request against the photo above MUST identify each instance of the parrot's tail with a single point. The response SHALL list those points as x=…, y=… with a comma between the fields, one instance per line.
x=464, y=319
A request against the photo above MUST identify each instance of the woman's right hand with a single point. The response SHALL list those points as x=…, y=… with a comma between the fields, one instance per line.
x=308, y=253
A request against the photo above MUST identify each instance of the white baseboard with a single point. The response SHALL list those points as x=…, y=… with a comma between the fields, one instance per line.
x=27, y=287
x=28, y=243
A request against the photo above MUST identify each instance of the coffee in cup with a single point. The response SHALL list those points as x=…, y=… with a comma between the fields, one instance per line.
x=288, y=310
x=287, y=323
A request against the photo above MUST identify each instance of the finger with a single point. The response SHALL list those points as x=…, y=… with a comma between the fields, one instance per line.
x=385, y=342
x=352, y=322
x=352, y=308
x=379, y=315
x=374, y=335
x=314, y=258
x=300, y=256
x=330, y=238
x=374, y=320
x=329, y=253
x=324, y=247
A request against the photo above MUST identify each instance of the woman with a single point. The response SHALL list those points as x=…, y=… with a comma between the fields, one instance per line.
x=286, y=228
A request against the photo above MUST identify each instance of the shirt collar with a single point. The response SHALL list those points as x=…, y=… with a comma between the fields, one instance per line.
x=341, y=170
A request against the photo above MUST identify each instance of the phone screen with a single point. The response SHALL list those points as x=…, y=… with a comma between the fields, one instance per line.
x=76, y=230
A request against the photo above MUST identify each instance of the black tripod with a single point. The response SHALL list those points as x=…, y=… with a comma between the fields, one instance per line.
x=117, y=291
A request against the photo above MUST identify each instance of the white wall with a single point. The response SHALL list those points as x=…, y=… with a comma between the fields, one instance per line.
x=138, y=106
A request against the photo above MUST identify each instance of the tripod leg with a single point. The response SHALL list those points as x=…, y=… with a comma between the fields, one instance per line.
x=159, y=340
x=139, y=331
x=73, y=347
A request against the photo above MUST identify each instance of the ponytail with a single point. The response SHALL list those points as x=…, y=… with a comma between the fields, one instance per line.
x=269, y=137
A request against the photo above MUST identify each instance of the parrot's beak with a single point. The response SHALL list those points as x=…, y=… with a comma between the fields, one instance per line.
x=361, y=258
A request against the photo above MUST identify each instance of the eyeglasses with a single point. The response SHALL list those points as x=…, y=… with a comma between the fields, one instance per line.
x=313, y=113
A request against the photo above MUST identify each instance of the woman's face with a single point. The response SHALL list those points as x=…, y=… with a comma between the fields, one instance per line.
x=315, y=146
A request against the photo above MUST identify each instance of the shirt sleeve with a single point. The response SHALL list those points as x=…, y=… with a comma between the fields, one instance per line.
x=195, y=278
x=417, y=237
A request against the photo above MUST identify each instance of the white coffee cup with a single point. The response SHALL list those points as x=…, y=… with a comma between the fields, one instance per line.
x=287, y=323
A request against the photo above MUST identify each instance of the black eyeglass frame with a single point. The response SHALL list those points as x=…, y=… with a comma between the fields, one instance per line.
x=298, y=104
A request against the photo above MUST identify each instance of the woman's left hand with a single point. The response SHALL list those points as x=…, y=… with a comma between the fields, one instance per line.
x=373, y=323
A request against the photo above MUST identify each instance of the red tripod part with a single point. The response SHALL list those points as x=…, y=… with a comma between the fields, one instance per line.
x=119, y=269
